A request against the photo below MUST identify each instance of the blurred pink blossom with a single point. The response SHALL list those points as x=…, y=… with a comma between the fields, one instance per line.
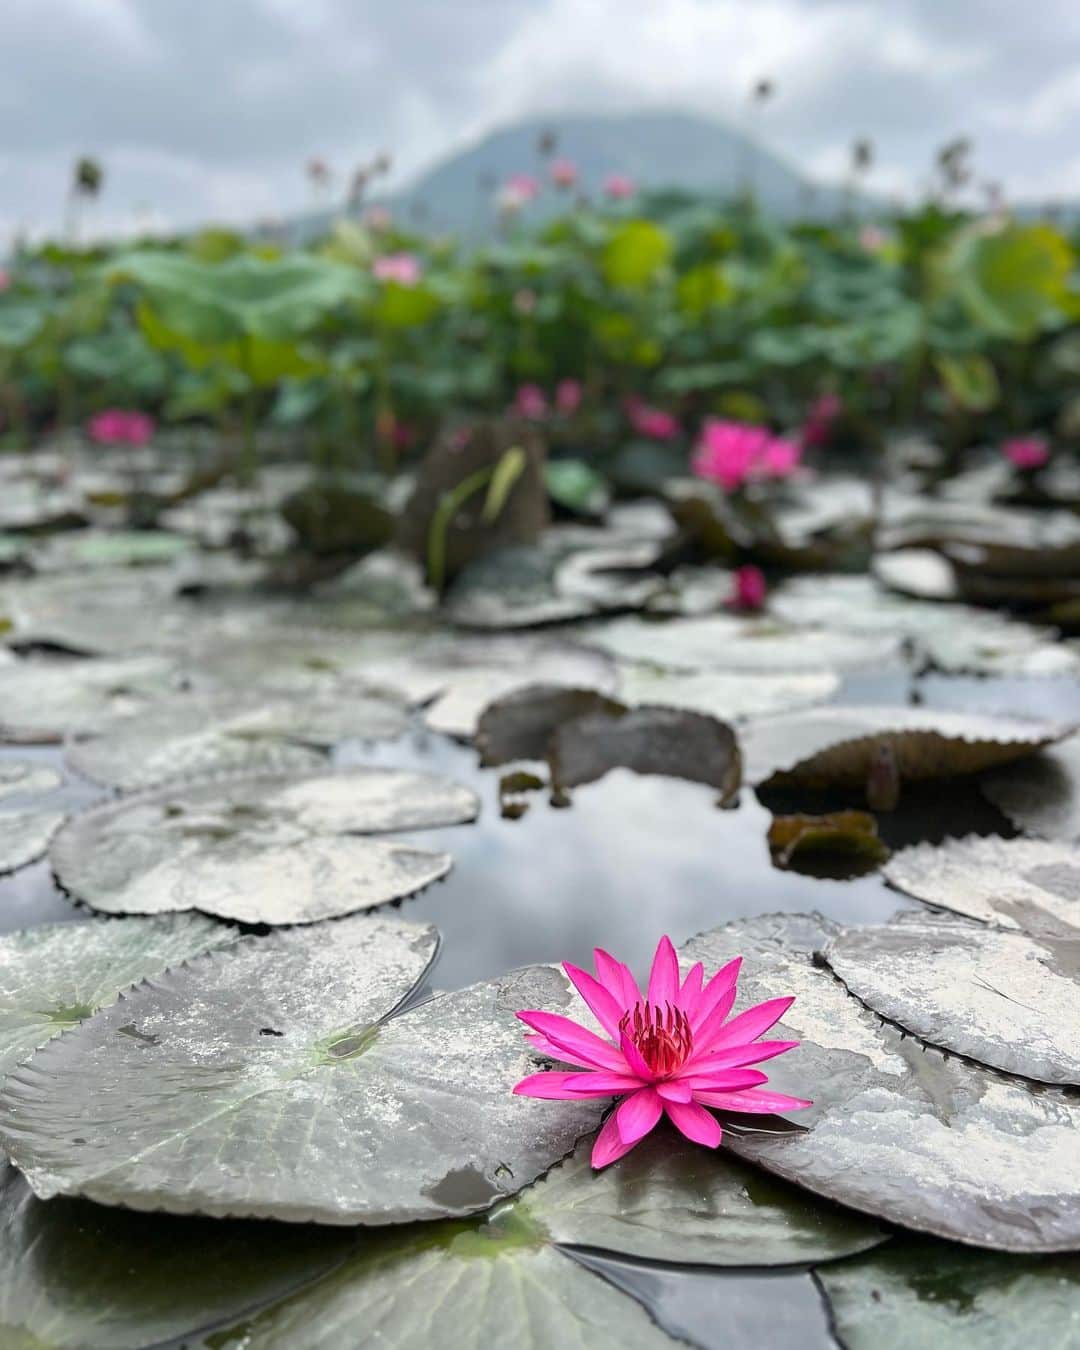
x=5, y=279
x=531, y=402
x=564, y=173
x=873, y=238
x=378, y=219
x=568, y=396
x=1026, y=452
x=119, y=426
x=822, y=413
x=404, y=435
x=619, y=186
x=652, y=423
x=518, y=190
x=730, y=453
x=402, y=268
x=749, y=592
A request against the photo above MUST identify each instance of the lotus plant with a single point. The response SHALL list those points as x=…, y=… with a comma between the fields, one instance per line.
x=672, y=1051
x=1026, y=453
x=119, y=426
x=733, y=453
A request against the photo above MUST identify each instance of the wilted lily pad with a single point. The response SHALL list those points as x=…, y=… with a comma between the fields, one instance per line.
x=836, y=747
x=898, y=1129
x=850, y=835
x=1005, y=999
x=74, y=1275
x=54, y=976
x=1030, y=884
x=236, y=733
x=261, y=849
x=503, y=1277
x=916, y=1294
x=44, y=701
x=1042, y=796
x=521, y=724
x=264, y=1081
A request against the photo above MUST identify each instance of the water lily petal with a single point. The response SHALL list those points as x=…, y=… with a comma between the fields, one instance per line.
x=616, y=978
x=602, y=1003
x=695, y=1123
x=576, y=1040
x=691, y=987
x=664, y=976
x=753, y=1101
x=719, y=987
x=725, y=1080
x=634, y=1058
x=637, y=1114
x=673, y=1091
x=707, y=1030
x=752, y=1022
x=733, y=1056
x=609, y=1144
x=543, y=1046
x=551, y=1086
x=556, y=1085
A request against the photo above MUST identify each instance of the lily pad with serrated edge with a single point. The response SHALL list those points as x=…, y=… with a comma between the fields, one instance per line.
x=504, y=1277
x=1027, y=884
x=1042, y=796
x=265, y=1081
x=1007, y=1000
x=261, y=849
x=835, y=747
x=898, y=1129
x=521, y=724
x=41, y=702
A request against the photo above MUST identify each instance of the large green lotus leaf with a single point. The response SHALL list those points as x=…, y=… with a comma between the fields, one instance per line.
x=1042, y=795
x=74, y=1275
x=917, y=1294
x=262, y=1082
x=725, y=642
x=229, y=732
x=898, y=1129
x=261, y=849
x=838, y=746
x=55, y=975
x=671, y=1200
x=45, y=701
x=1027, y=884
x=1007, y=1000
x=724, y=694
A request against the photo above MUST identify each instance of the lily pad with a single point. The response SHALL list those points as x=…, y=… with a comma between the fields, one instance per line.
x=1008, y=1000
x=649, y=740
x=54, y=976
x=264, y=1081
x=91, y=614
x=112, y=548
x=851, y=835
x=27, y=830
x=1042, y=796
x=25, y=778
x=42, y=702
x=502, y=1277
x=1027, y=884
x=722, y=693
x=74, y=1275
x=921, y=573
x=261, y=849
x=915, y=1294
x=221, y=733
x=898, y=1129
x=521, y=725
x=836, y=747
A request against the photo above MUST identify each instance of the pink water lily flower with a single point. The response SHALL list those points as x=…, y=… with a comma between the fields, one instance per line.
x=749, y=591
x=118, y=426
x=731, y=453
x=530, y=402
x=821, y=416
x=671, y=1051
x=1026, y=452
x=652, y=423
x=402, y=268
x=564, y=173
x=619, y=186
x=568, y=394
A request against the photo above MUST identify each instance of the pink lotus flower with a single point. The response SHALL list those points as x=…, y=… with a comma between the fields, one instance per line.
x=749, y=592
x=1026, y=452
x=823, y=412
x=517, y=191
x=652, y=423
x=117, y=426
x=402, y=268
x=564, y=173
x=672, y=1052
x=530, y=402
x=730, y=453
x=568, y=397
x=618, y=186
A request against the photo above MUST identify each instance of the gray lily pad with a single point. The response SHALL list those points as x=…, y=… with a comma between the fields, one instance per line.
x=27, y=830
x=112, y=548
x=54, y=976
x=229, y=733
x=921, y=573
x=91, y=614
x=912, y=1295
x=263, y=1081
x=898, y=1129
x=669, y=741
x=836, y=747
x=1042, y=796
x=502, y=1279
x=20, y=777
x=724, y=694
x=521, y=724
x=261, y=849
x=44, y=701
x=1005, y=999
x=74, y=1275
x=1027, y=884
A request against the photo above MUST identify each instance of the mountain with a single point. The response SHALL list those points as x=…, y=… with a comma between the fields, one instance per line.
x=656, y=149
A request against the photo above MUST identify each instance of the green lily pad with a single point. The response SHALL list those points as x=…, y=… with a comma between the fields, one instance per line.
x=261, y=849
x=915, y=1294
x=54, y=976
x=276, y=1050
x=45, y=701
x=898, y=1129
x=1042, y=796
x=1027, y=884
x=74, y=1275
x=114, y=548
x=1007, y=1000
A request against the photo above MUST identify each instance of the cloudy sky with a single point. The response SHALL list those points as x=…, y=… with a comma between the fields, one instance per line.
x=208, y=109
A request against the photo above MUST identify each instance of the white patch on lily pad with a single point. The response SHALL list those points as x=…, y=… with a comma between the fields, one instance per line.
x=44, y=701
x=277, y=850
